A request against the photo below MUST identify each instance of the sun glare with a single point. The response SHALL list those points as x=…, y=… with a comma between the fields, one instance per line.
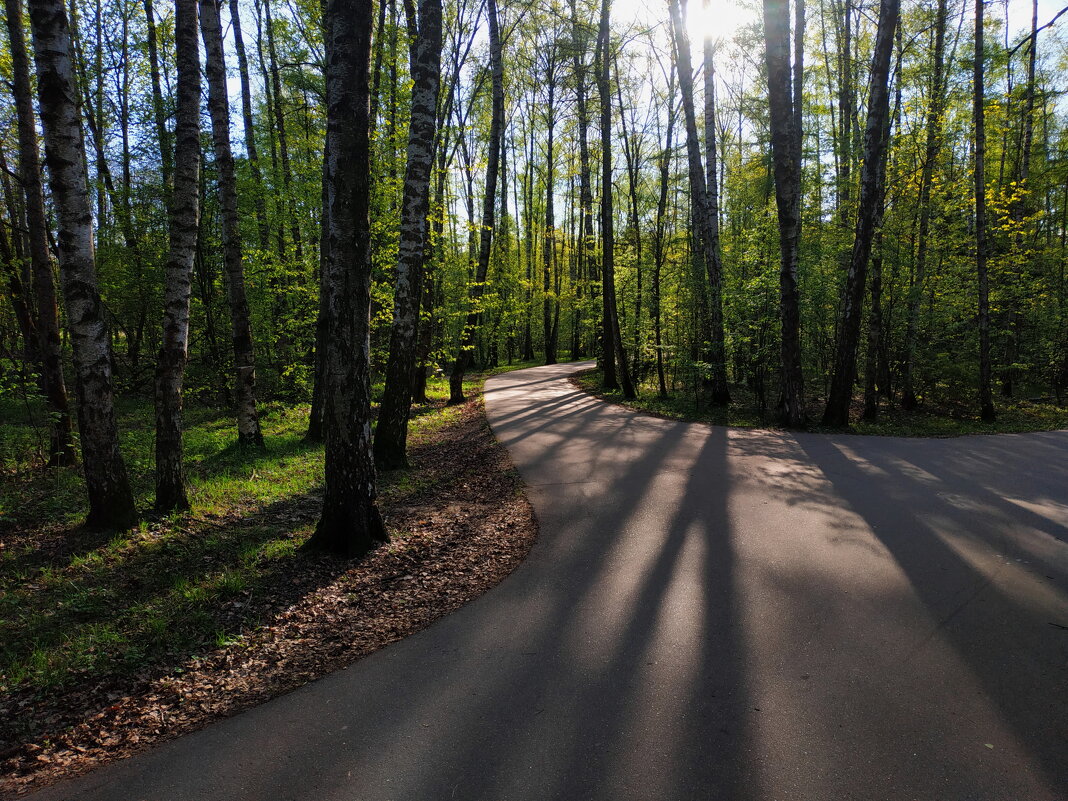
x=722, y=18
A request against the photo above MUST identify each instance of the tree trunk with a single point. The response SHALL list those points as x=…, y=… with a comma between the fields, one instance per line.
x=248, y=424
x=350, y=524
x=250, y=129
x=158, y=113
x=548, y=243
x=48, y=344
x=613, y=336
x=934, y=143
x=658, y=236
x=111, y=503
x=283, y=142
x=872, y=178
x=392, y=432
x=713, y=253
x=184, y=223
x=787, y=168
x=707, y=225
x=315, y=414
x=986, y=400
x=467, y=339
x=584, y=242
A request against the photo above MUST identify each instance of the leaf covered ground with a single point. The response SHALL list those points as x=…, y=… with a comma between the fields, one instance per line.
x=111, y=643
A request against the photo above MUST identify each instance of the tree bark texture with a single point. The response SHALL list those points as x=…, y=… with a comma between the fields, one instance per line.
x=48, y=343
x=350, y=524
x=178, y=278
x=111, y=503
x=392, y=431
x=248, y=424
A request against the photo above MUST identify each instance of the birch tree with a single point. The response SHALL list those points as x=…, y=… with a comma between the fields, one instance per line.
x=184, y=225
x=111, y=503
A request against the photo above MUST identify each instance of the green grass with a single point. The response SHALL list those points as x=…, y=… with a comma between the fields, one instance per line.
x=1014, y=416
x=78, y=606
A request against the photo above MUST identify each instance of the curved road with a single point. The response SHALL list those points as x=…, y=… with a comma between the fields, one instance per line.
x=709, y=614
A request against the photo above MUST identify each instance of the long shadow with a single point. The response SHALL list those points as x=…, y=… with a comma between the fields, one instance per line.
x=1009, y=647
x=488, y=710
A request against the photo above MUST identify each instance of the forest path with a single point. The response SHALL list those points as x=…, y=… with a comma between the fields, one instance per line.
x=709, y=613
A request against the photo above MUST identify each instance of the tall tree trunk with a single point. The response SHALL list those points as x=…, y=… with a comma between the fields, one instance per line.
x=584, y=244
x=46, y=324
x=713, y=252
x=111, y=503
x=489, y=203
x=659, y=234
x=787, y=168
x=184, y=224
x=548, y=243
x=392, y=432
x=322, y=324
x=707, y=225
x=613, y=336
x=283, y=141
x=1018, y=209
x=986, y=400
x=350, y=524
x=160, y=117
x=935, y=112
x=875, y=332
x=258, y=200
x=872, y=178
x=248, y=424
x=631, y=155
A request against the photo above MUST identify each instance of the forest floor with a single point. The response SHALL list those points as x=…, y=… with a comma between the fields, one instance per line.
x=931, y=419
x=110, y=643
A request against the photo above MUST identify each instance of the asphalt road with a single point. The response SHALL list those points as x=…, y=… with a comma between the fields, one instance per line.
x=708, y=614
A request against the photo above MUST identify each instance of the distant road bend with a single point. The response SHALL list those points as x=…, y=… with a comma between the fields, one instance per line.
x=709, y=613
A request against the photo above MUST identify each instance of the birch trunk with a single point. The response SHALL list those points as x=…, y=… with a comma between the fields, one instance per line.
x=248, y=424
x=350, y=524
x=184, y=224
x=392, y=432
x=46, y=323
x=111, y=503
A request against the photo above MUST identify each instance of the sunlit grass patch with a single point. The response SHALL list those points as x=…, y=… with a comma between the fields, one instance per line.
x=77, y=606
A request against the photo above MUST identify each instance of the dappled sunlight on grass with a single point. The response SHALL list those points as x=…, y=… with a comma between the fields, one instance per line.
x=77, y=605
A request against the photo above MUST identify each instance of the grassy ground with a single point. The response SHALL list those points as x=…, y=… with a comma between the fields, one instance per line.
x=930, y=421
x=76, y=607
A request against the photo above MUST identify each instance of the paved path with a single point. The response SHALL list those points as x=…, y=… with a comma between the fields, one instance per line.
x=709, y=614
